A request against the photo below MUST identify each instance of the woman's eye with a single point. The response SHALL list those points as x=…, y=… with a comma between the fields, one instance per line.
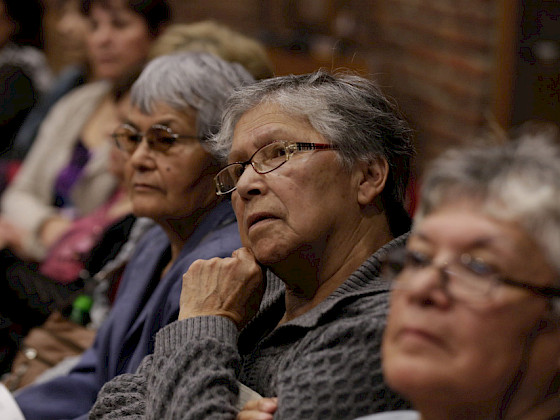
x=119, y=23
x=168, y=141
x=278, y=151
x=417, y=259
x=477, y=266
x=133, y=138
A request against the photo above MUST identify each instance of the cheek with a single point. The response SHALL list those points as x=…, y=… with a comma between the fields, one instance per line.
x=135, y=45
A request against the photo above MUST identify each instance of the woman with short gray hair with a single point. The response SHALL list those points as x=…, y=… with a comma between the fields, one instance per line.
x=308, y=177
x=169, y=176
x=474, y=326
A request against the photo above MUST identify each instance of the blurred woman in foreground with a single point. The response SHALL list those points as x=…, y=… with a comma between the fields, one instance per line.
x=474, y=325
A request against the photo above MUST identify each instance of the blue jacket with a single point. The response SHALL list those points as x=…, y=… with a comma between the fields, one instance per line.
x=128, y=333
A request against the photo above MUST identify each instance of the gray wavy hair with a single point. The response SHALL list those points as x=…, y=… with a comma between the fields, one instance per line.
x=190, y=81
x=517, y=182
x=347, y=110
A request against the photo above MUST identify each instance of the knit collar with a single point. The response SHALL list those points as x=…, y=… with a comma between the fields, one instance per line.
x=363, y=282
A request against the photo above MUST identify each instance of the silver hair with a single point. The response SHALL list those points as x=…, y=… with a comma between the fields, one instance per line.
x=347, y=110
x=518, y=182
x=198, y=82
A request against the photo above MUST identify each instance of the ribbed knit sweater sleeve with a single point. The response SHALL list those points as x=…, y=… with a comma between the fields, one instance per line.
x=191, y=375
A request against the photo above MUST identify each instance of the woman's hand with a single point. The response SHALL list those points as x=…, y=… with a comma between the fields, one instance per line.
x=231, y=287
x=52, y=229
x=12, y=237
x=262, y=409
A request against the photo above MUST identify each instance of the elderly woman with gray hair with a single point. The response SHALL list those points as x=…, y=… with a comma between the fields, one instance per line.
x=474, y=326
x=176, y=106
x=317, y=171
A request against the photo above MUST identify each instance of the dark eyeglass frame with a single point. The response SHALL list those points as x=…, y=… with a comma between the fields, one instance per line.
x=395, y=263
x=161, y=144
x=290, y=147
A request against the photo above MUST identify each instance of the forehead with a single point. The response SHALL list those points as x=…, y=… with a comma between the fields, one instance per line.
x=265, y=124
x=161, y=114
x=462, y=226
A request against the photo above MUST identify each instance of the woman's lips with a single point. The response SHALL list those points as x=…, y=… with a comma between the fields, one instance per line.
x=257, y=218
x=144, y=187
x=419, y=335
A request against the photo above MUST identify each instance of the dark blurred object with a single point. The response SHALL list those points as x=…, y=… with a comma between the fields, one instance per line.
x=537, y=86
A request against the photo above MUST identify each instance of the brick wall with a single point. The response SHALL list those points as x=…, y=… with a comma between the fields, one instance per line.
x=438, y=59
x=435, y=57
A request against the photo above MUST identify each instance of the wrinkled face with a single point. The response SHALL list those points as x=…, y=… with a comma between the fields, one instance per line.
x=172, y=185
x=297, y=208
x=72, y=26
x=118, y=40
x=438, y=348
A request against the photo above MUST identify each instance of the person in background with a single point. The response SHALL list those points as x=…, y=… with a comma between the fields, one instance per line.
x=474, y=325
x=65, y=174
x=318, y=166
x=215, y=38
x=30, y=292
x=176, y=105
x=24, y=72
x=72, y=29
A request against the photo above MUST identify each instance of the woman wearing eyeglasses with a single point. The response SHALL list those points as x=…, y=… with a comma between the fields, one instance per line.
x=169, y=173
x=318, y=166
x=474, y=325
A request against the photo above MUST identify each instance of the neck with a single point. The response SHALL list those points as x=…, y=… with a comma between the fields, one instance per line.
x=312, y=274
x=179, y=230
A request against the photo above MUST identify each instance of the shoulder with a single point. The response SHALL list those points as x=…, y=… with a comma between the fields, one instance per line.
x=93, y=90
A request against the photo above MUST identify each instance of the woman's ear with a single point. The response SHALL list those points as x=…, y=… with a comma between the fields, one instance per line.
x=373, y=176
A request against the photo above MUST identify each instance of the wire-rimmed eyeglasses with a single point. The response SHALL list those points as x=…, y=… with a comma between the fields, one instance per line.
x=264, y=160
x=160, y=138
x=468, y=279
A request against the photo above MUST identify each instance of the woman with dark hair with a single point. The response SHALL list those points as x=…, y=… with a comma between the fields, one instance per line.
x=65, y=174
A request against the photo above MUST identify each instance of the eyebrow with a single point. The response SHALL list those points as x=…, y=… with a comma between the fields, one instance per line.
x=264, y=140
x=485, y=242
x=126, y=121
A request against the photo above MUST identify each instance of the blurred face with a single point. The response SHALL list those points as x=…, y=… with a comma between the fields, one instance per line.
x=299, y=208
x=72, y=26
x=439, y=351
x=118, y=40
x=172, y=185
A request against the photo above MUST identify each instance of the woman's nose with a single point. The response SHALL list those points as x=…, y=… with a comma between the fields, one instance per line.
x=142, y=157
x=250, y=183
x=428, y=286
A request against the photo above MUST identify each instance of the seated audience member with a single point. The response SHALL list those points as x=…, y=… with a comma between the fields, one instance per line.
x=65, y=174
x=30, y=292
x=24, y=72
x=71, y=29
x=215, y=38
x=474, y=326
x=318, y=169
x=176, y=106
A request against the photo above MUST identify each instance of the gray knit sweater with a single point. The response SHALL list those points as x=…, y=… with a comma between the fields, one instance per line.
x=324, y=364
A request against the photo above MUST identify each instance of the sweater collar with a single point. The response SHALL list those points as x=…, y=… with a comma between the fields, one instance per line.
x=364, y=281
